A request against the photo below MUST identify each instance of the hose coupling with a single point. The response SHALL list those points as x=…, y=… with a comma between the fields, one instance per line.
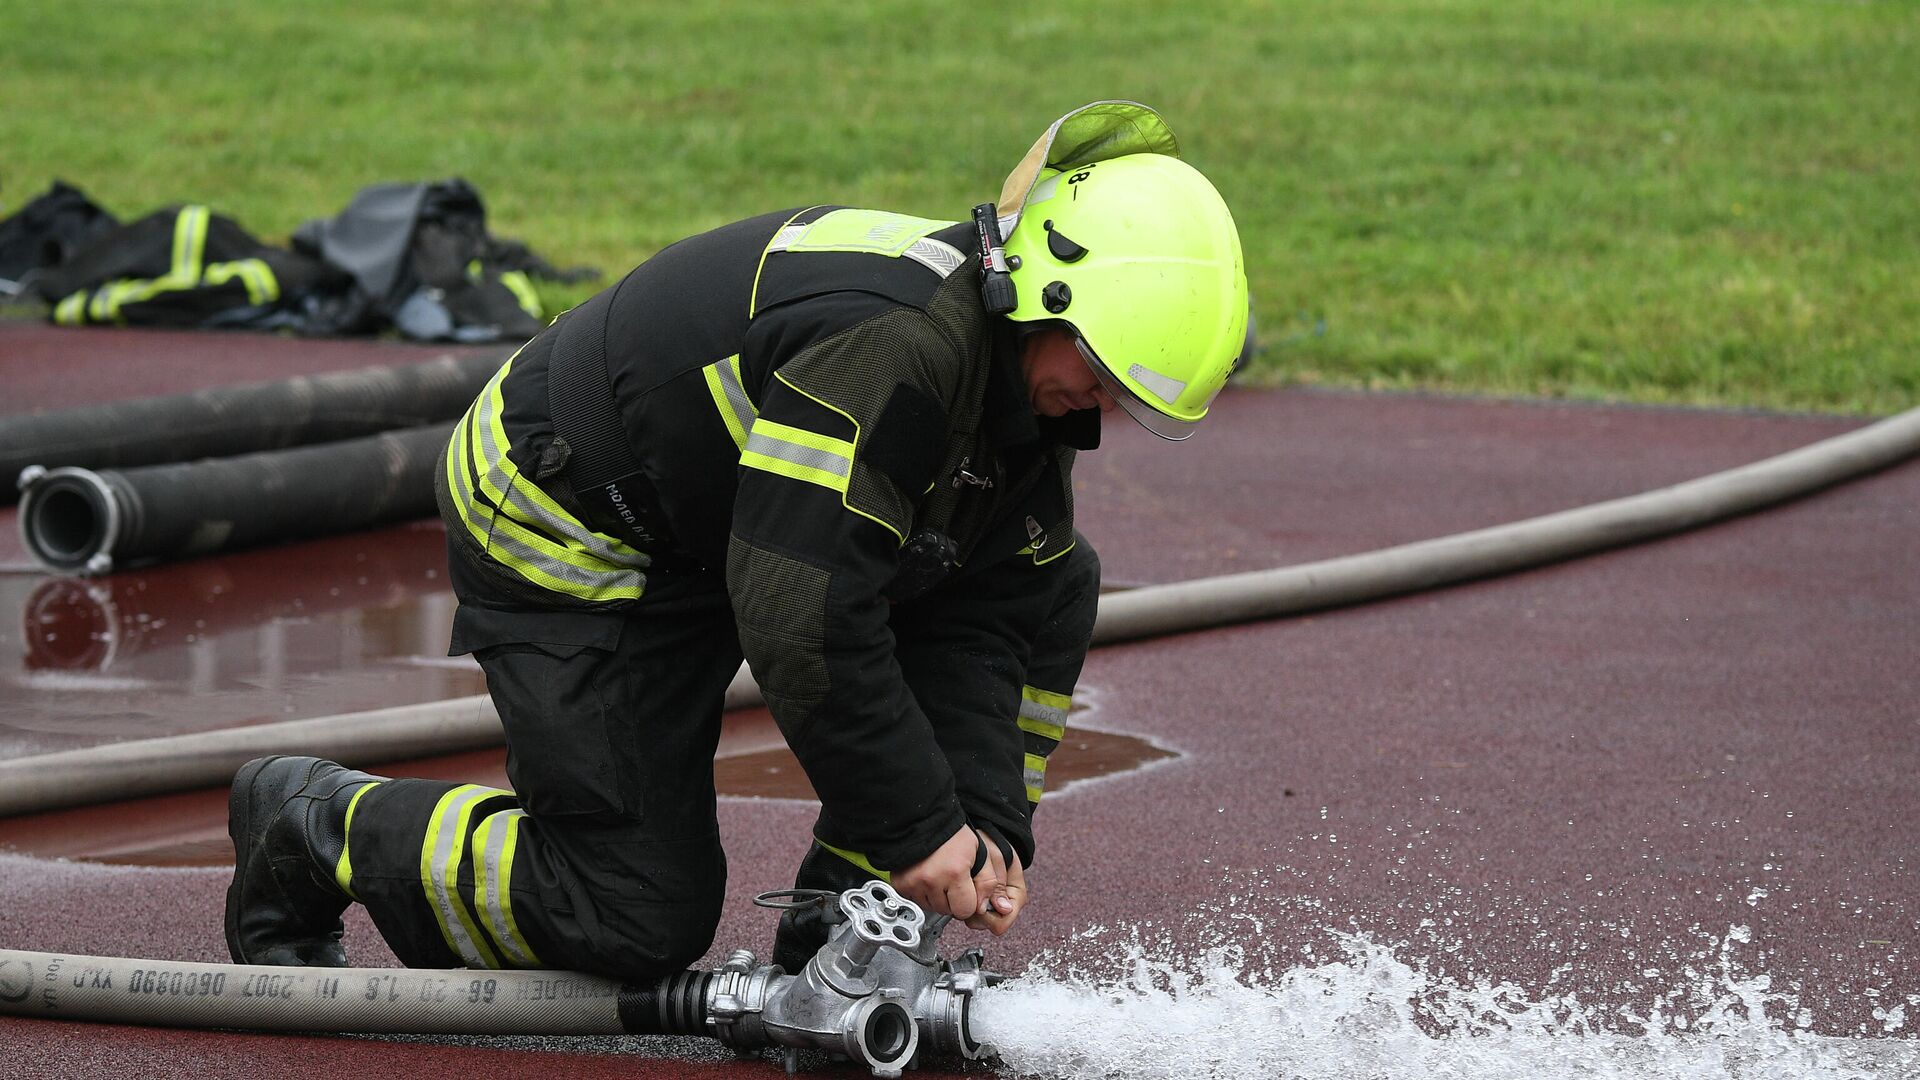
x=878, y=992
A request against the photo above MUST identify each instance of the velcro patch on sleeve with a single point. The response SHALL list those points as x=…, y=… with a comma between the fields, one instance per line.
x=909, y=439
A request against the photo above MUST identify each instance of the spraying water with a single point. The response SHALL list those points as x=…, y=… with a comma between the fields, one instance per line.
x=1369, y=1014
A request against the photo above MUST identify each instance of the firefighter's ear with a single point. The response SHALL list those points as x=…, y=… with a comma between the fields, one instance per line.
x=908, y=440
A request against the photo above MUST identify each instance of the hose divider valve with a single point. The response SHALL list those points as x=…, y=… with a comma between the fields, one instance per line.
x=878, y=991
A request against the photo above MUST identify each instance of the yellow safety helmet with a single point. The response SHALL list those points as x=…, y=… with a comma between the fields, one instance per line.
x=1138, y=255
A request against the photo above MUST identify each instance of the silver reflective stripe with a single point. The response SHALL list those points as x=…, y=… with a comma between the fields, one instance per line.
x=786, y=236
x=1165, y=388
x=471, y=510
x=942, y=259
x=582, y=537
x=492, y=878
x=442, y=871
x=726, y=374
x=1045, y=714
x=805, y=456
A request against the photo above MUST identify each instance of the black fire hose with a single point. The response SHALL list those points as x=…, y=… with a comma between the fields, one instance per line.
x=228, y=420
x=76, y=520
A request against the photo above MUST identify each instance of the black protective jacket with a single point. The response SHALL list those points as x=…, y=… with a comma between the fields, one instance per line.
x=823, y=411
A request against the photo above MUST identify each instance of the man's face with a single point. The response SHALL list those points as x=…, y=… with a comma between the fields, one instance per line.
x=1058, y=378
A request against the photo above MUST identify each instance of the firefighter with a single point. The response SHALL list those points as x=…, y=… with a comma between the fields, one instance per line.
x=837, y=442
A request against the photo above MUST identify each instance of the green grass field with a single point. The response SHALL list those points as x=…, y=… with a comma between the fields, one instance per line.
x=1708, y=202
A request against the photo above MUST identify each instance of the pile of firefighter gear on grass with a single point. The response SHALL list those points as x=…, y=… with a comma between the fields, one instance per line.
x=414, y=258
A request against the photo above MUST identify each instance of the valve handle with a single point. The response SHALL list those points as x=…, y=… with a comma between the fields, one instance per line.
x=883, y=917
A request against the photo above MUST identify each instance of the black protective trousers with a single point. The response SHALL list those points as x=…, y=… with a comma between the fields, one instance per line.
x=605, y=856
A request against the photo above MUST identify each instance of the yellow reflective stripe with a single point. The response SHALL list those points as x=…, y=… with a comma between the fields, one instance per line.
x=799, y=454
x=1043, y=712
x=522, y=289
x=183, y=272
x=1051, y=555
x=730, y=398
x=851, y=449
x=1036, y=777
x=511, y=545
x=497, y=535
x=343, y=870
x=507, y=489
x=753, y=298
x=1056, y=732
x=72, y=311
x=105, y=305
x=441, y=854
x=856, y=859
x=493, y=847
x=189, y=245
x=257, y=276
x=585, y=564
x=1047, y=699
x=877, y=232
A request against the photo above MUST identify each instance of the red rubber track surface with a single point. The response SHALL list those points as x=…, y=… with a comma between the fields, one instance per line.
x=1571, y=770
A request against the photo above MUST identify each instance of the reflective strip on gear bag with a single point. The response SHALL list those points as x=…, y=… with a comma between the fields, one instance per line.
x=257, y=276
x=183, y=272
x=730, y=398
x=493, y=847
x=520, y=526
x=71, y=311
x=523, y=292
x=441, y=856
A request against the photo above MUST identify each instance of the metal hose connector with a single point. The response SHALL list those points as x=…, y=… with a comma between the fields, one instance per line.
x=877, y=992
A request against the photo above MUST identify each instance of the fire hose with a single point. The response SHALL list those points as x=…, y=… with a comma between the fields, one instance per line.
x=227, y=420
x=77, y=520
x=150, y=766
x=878, y=992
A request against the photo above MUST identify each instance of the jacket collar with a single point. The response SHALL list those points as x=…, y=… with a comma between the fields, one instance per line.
x=1009, y=419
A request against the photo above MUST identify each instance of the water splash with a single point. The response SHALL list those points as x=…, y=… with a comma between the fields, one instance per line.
x=1368, y=1014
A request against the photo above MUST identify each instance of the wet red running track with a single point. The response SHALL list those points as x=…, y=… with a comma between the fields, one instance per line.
x=1562, y=777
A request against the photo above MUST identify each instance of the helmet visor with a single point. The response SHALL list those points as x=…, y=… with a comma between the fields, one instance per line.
x=1171, y=428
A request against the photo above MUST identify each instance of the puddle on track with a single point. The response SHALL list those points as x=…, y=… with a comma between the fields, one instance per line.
x=336, y=625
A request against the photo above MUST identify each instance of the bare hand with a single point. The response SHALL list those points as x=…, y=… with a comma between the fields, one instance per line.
x=943, y=882
x=1006, y=894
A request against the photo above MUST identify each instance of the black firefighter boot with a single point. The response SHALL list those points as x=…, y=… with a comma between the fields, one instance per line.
x=804, y=930
x=287, y=817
